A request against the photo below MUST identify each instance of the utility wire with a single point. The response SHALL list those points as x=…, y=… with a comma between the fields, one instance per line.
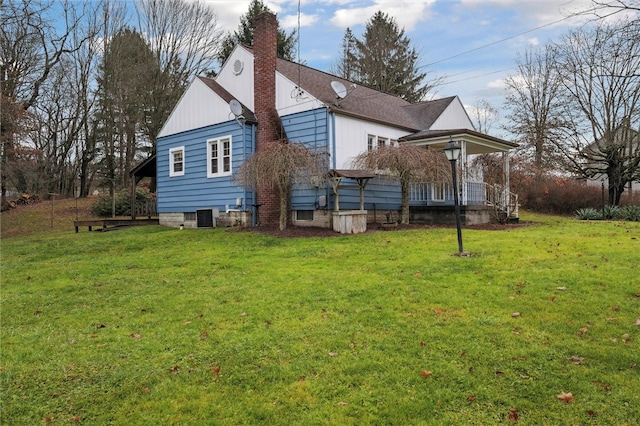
x=499, y=41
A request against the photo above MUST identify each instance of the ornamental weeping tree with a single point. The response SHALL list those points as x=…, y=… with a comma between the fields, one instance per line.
x=280, y=165
x=407, y=163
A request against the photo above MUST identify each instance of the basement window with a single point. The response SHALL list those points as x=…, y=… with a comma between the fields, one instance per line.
x=304, y=215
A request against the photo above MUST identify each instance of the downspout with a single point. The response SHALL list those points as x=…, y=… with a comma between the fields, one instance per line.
x=332, y=143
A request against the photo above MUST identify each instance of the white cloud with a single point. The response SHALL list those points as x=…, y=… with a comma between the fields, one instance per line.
x=533, y=41
x=406, y=13
x=496, y=84
x=291, y=21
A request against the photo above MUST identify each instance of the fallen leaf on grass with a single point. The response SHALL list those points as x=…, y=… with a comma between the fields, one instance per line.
x=515, y=315
x=243, y=314
x=591, y=413
x=342, y=403
x=216, y=371
x=499, y=373
x=582, y=331
x=145, y=390
x=567, y=398
x=576, y=359
x=426, y=373
x=513, y=415
x=471, y=398
x=637, y=322
x=135, y=336
x=333, y=354
x=174, y=369
x=186, y=323
x=561, y=288
x=204, y=335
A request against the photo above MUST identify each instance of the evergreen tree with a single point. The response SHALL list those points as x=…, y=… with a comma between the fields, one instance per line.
x=244, y=35
x=124, y=88
x=345, y=66
x=384, y=60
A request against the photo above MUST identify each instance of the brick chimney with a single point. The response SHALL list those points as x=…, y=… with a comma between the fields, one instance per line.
x=265, y=49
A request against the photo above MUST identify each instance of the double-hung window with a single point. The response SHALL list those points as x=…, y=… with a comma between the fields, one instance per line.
x=176, y=161
x=219, y=157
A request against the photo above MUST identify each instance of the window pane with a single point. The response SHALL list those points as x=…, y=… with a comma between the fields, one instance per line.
x=214, y=157
x=226, y=152
x=370, y=142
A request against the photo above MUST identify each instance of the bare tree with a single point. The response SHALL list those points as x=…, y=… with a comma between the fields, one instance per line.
x=407, y=163
x=484, y=115
x=599, y=69
x=536, y=106
x=185, y=37
x=280, y=165
x=30, y=48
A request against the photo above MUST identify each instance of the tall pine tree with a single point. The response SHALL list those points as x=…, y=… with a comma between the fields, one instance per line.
x=244, y=35
x=383, y=59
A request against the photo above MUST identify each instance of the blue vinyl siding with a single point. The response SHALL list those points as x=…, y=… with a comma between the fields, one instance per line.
x=195, y=190
x=310, y=129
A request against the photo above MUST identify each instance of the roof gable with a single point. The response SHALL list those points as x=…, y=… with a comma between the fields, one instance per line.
x=204, y=103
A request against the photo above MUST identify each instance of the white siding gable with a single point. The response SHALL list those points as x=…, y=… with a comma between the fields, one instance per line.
x=453, y=117
x=198, y=107
x=236, y=75
x=286, y=100
x=351, y=138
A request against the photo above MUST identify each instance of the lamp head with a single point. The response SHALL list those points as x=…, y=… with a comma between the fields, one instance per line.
x=452, y=150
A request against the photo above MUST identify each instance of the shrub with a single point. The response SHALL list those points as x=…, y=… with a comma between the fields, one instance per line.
x=588, y=213
x=612, y=212
x=631, y=213
x=103, y=206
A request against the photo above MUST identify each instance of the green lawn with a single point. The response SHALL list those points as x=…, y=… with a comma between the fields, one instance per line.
x=153, y=325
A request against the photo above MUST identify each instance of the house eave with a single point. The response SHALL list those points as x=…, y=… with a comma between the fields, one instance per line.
x=480, y=142
x=338, y=111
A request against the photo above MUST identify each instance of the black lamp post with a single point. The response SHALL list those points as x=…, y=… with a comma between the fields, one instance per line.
x=452, y=151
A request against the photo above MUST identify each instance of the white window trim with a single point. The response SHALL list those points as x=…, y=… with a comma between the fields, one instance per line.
x=440, y=188
x=218, y=141
x=172, y=172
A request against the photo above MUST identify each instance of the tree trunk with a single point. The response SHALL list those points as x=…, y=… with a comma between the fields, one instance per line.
x=284, y=207
x=404, y=216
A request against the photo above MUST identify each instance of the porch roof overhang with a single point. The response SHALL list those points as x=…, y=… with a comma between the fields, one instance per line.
x=146, y=168
x=476, y=142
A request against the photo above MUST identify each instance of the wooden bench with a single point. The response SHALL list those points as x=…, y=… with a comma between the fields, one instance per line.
x=88, y=223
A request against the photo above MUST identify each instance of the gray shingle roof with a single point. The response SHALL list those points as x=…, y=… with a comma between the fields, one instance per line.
x=364, y=102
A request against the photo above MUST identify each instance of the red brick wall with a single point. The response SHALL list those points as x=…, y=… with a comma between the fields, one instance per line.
x=264, y=88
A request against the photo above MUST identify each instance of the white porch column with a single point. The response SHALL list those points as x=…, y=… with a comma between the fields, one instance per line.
x=507, y=174
x=463, y=173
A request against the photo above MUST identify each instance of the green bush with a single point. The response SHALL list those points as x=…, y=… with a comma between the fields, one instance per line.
x=612, y=212
x=588, y=213
x=103, y=206
x=631, y=213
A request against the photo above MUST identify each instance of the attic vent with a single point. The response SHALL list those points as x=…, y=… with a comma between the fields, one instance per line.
x=238, y=66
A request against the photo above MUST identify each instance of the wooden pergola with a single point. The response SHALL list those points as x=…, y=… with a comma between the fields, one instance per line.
x=361, y=176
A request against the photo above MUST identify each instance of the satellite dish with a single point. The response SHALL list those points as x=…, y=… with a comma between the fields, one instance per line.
x=235, y=107
x=339, y=88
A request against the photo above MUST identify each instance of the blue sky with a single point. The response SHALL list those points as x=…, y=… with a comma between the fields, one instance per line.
x=472, y=42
